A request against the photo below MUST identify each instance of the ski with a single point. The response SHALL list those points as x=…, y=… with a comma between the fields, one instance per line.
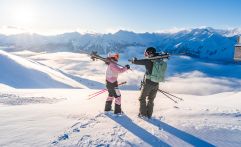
x=161, y=56
x=94, y=56
x=111, y=113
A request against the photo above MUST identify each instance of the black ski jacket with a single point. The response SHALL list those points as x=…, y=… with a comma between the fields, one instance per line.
x=148, y=65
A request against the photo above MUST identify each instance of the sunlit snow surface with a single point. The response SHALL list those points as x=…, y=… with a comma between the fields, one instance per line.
x=209, y=115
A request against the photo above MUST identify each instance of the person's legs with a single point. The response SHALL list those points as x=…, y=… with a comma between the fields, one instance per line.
x=110, y=97
x=108, y=104
x=144, y=93
x=151, y=98
x=117, y=101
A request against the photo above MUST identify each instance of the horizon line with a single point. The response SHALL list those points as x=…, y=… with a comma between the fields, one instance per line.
x=161, y=31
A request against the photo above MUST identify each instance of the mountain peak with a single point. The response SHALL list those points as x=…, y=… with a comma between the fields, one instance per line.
x=124, y=32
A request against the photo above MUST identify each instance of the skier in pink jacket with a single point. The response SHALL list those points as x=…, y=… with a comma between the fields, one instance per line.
x=112, y=84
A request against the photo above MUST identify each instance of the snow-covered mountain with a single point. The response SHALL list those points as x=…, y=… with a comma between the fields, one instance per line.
x=204, y=42
x=18, y=72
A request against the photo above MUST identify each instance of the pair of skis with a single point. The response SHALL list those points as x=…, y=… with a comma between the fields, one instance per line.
x=94, y=56
x=160, y=56
x=103, y=91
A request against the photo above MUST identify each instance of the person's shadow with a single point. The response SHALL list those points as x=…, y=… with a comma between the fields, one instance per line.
x=195, y=141
x=128, y=124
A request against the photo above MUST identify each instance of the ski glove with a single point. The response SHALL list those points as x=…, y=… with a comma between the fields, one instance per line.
x=127, y=66
x=133, y=60
x=107, y=61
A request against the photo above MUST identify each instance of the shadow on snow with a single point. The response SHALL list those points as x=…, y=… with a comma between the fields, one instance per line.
x=128, y=124
x=195, y=141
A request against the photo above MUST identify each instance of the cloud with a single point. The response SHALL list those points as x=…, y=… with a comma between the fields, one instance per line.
x=15, y=27
x=194, y=83
x=197, y=83
x=172, y=30
x=116, y=29
x=9, y=30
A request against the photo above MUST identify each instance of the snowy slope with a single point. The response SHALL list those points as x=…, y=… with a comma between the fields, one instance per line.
x=18, y=72
x=68, y=118
x=210, y=114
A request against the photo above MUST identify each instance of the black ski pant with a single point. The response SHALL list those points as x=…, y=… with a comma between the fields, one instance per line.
x=148, y=92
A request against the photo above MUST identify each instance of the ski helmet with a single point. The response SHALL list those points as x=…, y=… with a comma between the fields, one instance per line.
x=150, y=51
x=114, y=56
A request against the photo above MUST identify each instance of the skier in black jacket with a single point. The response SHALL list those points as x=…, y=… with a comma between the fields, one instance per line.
x=149, y=88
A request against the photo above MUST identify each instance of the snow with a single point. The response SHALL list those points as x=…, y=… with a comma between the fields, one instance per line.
x=3, y=86
x=26, y=53
x=196, y=120
x=18, y=72
x=210, y=114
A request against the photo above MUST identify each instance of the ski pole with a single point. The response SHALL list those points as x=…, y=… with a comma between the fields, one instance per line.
x=103, y=90
x=168, y=96
x=171, y=95
x=98, y=94
x=106, y=89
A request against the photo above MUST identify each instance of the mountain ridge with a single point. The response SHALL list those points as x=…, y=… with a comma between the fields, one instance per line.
x=206, y=42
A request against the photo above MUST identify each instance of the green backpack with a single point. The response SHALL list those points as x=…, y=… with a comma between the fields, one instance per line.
x=158, y=71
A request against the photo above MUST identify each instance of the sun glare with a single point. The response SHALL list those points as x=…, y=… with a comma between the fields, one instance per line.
x=23, y=15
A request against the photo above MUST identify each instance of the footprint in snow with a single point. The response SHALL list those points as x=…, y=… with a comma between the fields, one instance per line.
x=60, y=138
x=176, y=107
x=77, y=127
x=63, y=137
x=85, y=141
x=76, y=130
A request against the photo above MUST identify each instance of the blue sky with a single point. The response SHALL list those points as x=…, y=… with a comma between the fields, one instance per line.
x=57, y=16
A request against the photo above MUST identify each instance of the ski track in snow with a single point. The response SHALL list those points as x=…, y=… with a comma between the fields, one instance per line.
x=12, y=99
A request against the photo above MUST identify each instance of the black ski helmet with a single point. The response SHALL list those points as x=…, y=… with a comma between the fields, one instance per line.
x=149, y=51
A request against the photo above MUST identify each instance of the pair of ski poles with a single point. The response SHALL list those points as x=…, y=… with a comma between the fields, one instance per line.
x=170, y=96
x=103, y=91
x=167, y=94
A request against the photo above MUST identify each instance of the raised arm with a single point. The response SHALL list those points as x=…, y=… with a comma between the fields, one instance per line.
x=117, y=69
x=140, y=62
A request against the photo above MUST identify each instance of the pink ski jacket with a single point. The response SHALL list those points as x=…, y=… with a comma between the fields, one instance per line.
x=112, y=72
